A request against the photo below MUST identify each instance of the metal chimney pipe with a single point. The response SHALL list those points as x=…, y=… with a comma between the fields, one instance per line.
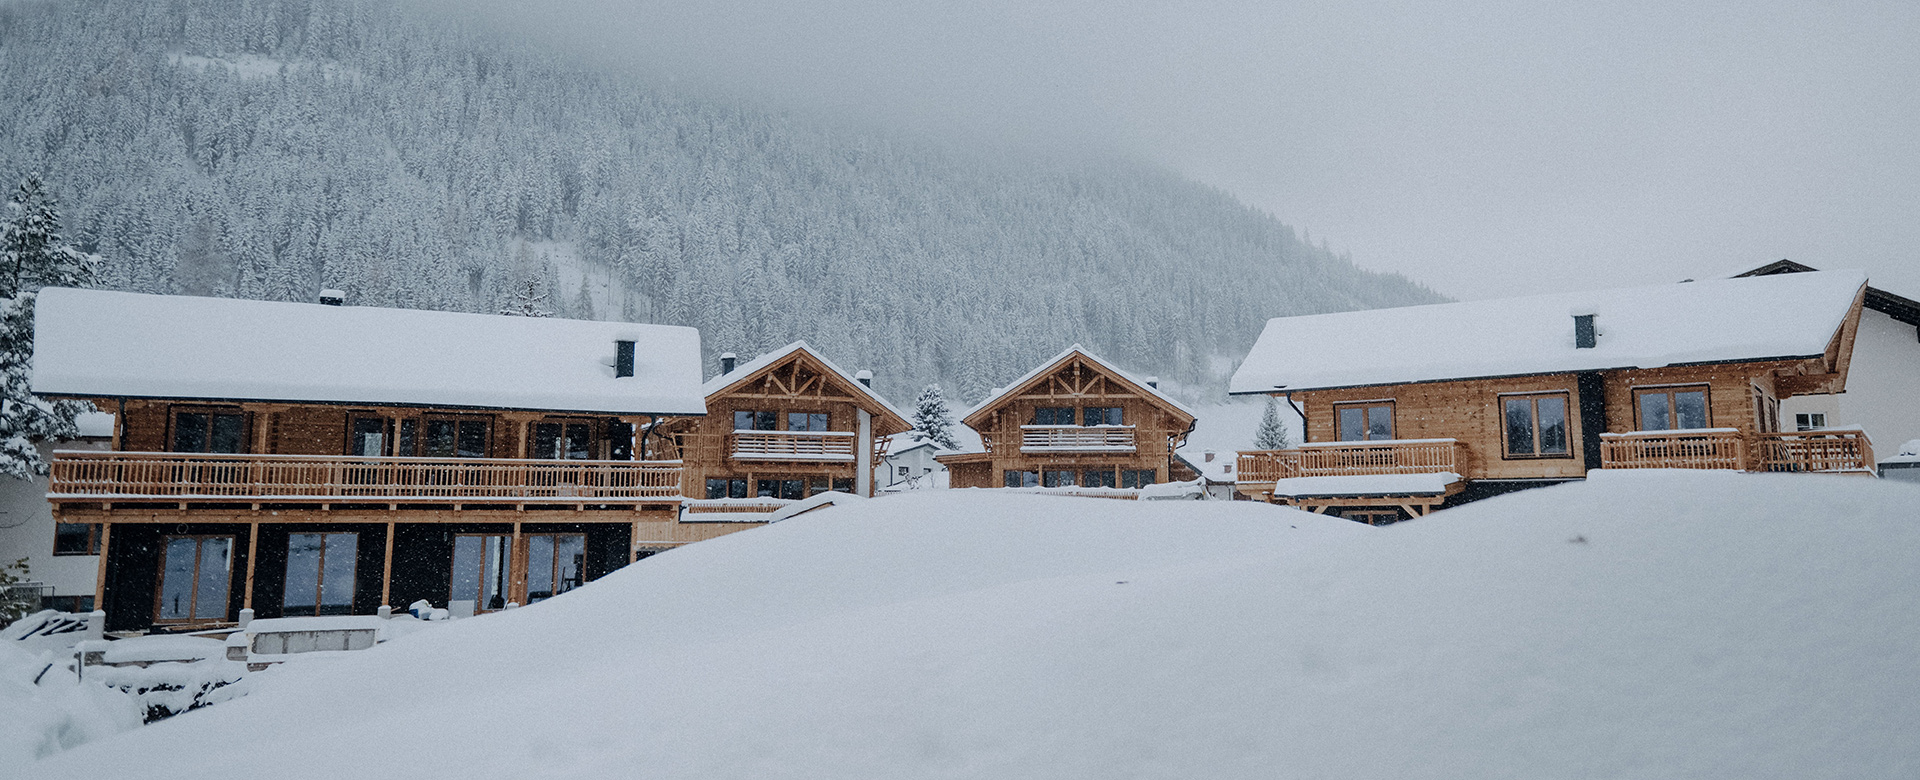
x=726, y=362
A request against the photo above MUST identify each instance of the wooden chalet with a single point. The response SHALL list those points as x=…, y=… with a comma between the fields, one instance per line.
x=308, y=459
x=782, y=427
x=1407, y=410
x=1075, y=421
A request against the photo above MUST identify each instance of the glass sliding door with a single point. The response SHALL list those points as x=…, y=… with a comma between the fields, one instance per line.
x=481, y=569
x=195, y=572
x=554, y=564
x=320, y=573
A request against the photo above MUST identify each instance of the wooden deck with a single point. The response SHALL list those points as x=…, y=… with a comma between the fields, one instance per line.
x=1818, y=452
x=89, y=475
x=1353, y=458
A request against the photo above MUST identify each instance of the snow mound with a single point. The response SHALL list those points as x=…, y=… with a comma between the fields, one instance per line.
x=1645, y=625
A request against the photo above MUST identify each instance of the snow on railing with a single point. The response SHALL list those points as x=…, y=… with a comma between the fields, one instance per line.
x=1327, y=459
x=92, y=474
x=1076, y=438
x=791, y=445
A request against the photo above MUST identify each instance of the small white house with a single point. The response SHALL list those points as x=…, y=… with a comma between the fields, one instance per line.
x=910, y=464
x=62, y=560
x=1883, y=382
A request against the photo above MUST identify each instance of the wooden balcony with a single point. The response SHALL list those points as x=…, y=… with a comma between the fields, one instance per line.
x=1352, y=458
x=1076, y=438
x=790, y=445
x=1827, y=452
x=91, y=475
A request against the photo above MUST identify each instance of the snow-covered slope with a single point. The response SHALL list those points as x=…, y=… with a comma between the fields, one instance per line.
x=1639, y=626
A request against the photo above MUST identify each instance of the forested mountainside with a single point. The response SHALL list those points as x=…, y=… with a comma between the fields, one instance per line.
x=269, y=148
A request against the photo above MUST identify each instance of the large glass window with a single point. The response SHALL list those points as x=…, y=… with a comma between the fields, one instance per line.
x=1104, y=478
x=1059, y=478
x=368, y=437
x=553, y=564
x=562, y=441
x=320, y=570
x=754, y=421
x=1372, y=421
x=1536, y=425
x=194, y=575
x=1053, y=415
x=1022, y=479
x=1138, y=478
x=792, y=489
x=208, y=430
x=1100, y=415
x=806, y=421
x=450, y=438
x=480, y=569
x=1672, y=408
x=76, y=539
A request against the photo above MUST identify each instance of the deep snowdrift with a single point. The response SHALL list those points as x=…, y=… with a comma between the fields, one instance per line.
x=1648, y=625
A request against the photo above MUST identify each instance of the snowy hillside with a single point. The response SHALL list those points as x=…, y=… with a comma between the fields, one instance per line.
x=1698, y=625
x=266, y=149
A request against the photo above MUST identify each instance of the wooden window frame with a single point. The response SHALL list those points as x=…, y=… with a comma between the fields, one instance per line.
x=1393, y=424
x=596, y=437
x=93, y=539
x=1005, y=477
x=786, y=418
x=320, y=573
x=420, y=432
x=453, y=571
x=1673, y=408
x=1566, y=410
x=173, y=422
x=756, y=419
x=1133, y=475
x=193, y=595
x=553, y=566
x=1083, y=416
x=392, y=424
x=1073, y=415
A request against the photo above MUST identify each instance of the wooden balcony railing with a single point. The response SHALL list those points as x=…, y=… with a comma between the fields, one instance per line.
x=1076, y=438
x=96, y=475
x=790, y=445
x=1835, y=451
x=1397, y=456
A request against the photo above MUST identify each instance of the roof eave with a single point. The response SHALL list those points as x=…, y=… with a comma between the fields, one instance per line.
x=1283, y=389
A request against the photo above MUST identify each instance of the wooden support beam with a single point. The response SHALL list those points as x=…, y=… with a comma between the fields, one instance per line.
x=386, y=570
x=253, y=554
x=100, y=570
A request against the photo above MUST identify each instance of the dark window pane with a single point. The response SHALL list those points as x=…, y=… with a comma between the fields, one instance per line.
x=793, y=489
x=1519, y=415
x=843, y=485
x=303, y=574
x=1098, y=478
x=75, y=538
x=579, y=441
x=473, y=439
x=439, y=440
x=369, y=437
x=190, y=432
x=767, y=488
x=336, y=581
x=619, y=440
x=176, y=578
x=569, y=553
x=816, y=485
x=1053, y=415
x=743, y=421
x=763, y=421
x=539, y=567
x=716, y=487
x=210, y=587
x=1690, y=409
x=546, y=441
x=737, y=488
x=1100, y=415
x=1353, y=424
x=1057, y=479
x=229, y=433
x=1553, y=425
x=1379, y=423
x=409, y=435
x=1653, y=412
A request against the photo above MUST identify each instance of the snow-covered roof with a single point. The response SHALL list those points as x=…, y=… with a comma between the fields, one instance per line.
x=1017, y=385
x=102, y=343
x=754, y=366
x=1366, y=485
x=1718, y=320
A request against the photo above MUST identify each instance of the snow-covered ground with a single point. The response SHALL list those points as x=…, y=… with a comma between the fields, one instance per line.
x=1643, y=625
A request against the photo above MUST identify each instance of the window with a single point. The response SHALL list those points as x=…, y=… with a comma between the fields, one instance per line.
x=1100, y=415
x=816, y=485
x=1809, y=421
x=1536, y=425
x=209, y=430
x=843, y=484
x=905, y=470
x=194, y=574
x=1368, y=421
x=1103, y=478
x=790, y=489
x=320, y=569
x=480, y=569
x=726, y=487
x=1132, y=478
x=1372, y=516
x=1061, y=478
x=753, y=421
x=554, y=564
x=1023, y=479
x=569, y=440
x=1053, y=415
x=367, y=436
x=806, y=421
x=76, y=539
x=1672, y=408
x=447, y=437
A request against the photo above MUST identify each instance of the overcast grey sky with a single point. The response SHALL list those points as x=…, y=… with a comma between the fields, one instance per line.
x=1486, y=148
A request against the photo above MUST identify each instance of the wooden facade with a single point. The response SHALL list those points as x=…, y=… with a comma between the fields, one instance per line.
x=1503, y=433
x=1074, y=422
x=787, y=426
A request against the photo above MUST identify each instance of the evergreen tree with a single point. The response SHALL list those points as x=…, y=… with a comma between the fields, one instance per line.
x=33, y=254
x=528, y=300
x=932, y=420
x=1272, y=435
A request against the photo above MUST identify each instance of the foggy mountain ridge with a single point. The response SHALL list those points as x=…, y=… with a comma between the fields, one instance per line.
x=268, y=148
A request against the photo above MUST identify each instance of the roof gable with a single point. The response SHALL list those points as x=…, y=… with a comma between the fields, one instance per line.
x=1899, y=307
x=797, y=371
x=105, y=343
x=1074, y=371
x=1789, y=316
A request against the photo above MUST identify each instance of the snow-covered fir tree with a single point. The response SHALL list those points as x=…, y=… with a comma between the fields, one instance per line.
x=1272, y=435
x=932, y=420
x=528, y=300
x=33, y=254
